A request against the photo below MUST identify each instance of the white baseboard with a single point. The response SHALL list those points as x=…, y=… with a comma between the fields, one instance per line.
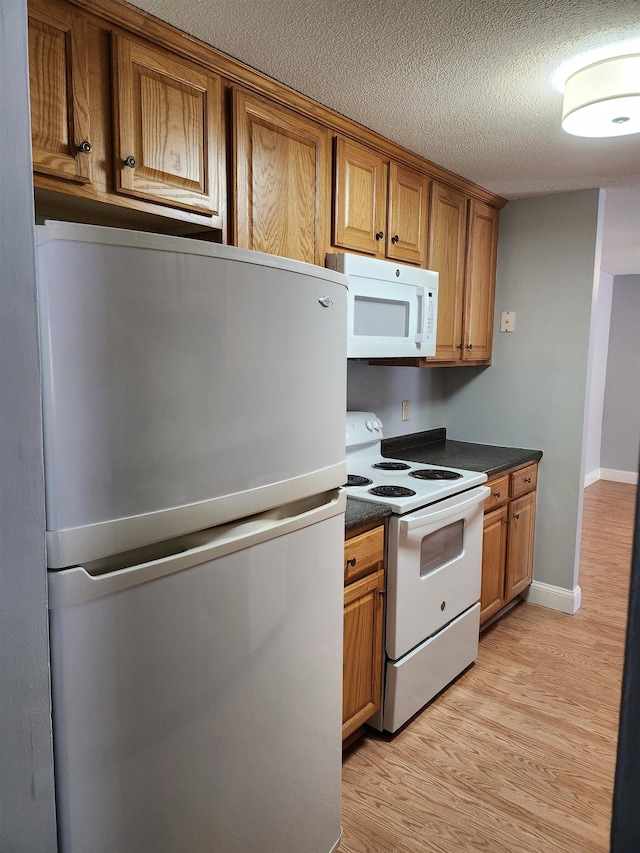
x=619, y=476
x=611, y=474
x=554, y=597
x=592, y=477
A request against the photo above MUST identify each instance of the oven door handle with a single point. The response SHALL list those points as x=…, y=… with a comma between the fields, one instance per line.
x=429, y=516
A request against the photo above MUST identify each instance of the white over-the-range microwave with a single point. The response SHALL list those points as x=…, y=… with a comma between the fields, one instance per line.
x=392, y=308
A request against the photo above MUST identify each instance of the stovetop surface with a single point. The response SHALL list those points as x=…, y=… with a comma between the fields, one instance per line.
x=361, y=462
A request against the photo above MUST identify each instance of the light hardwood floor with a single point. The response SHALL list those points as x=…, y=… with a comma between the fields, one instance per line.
x=519, y=753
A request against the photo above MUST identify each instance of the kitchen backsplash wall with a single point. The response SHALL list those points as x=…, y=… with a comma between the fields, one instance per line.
x=383, y=389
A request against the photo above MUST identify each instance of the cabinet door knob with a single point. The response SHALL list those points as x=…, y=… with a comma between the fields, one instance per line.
x=130, y=161
x=379, y=235
x=517, y=515
x=395, y=238
x=527, y=479
x=85, y=147
x=469, y=346
x=351, y=561
x=496, y=494
x=458, y=346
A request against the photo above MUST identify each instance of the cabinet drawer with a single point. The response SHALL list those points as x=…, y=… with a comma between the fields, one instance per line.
x=499, y=493
x=524, y=480
x=363, y=554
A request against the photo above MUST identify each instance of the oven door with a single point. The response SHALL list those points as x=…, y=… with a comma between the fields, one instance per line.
x=434, y=568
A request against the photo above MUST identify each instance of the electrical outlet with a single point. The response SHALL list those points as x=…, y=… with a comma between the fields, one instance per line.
x=405, y=410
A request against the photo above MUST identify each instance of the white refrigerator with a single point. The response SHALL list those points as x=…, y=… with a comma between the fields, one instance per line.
x=193, y=399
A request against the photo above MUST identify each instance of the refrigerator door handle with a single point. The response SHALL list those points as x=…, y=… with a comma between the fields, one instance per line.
x=75, y=585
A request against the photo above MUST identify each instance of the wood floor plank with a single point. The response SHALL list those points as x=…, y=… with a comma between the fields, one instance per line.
x=518, y=755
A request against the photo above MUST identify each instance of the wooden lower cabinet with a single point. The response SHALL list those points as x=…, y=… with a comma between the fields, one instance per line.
x=363, y=628
x=509, y=526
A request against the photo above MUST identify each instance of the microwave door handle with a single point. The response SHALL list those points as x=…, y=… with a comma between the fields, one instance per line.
x=422, y=304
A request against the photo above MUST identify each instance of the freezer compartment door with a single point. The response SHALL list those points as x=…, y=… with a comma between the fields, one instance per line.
x=200, y=709
x=184, y=385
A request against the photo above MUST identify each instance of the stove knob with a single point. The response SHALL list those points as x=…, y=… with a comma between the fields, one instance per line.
x=378, y=424
x=370, y=425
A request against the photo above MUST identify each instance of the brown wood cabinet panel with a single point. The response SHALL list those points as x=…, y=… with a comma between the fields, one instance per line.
x=282, y=173
x=360, y=195
x=407, y=215
x=494, y=549
x=447, y=241
x=58, y=79
x=522, y=514
x=363, y=554
x=524, y=480
x=509, y=527
x=362, y=655
x=169, y=141
x=499, y=492
x=480, y=279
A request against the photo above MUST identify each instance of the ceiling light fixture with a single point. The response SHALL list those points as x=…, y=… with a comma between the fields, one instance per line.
x=603, y=99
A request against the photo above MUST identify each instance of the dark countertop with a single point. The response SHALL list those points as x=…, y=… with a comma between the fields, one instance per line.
x=434, y=448
x=363, y=513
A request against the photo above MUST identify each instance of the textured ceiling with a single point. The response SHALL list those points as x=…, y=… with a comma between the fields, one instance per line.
x=466, y=84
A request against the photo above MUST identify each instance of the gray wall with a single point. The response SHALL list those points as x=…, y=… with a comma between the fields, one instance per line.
x=27, y=815
x=621, y=420
x=382, y=390
x=534, y=393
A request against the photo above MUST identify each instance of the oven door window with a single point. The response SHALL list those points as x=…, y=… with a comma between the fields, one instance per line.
x=442, y=546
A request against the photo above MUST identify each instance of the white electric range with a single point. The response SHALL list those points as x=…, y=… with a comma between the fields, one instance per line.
x=433, y=562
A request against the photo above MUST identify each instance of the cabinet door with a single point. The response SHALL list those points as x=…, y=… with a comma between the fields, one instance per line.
x=408, y=199
x=480, y=282
x=494, y=551
x=362, y=654
x=169, y=144
x=360, y=198
x=58, y=77
x=522, y=512
x=447, y=240
x=282, y=175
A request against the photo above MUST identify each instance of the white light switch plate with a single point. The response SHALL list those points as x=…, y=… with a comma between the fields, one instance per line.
x=508, y=321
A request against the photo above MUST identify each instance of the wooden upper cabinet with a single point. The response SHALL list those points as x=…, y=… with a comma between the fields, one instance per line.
x=168, y=138
x=282, y=174
x=408, y=205
x=380, y=207
x=447, y=243
x=58, y=79
x=360, y=198
x=480, y=282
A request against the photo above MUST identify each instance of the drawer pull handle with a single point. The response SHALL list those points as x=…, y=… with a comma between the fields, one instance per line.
x=496, y=494
x=527, y=479
x=351, y=561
